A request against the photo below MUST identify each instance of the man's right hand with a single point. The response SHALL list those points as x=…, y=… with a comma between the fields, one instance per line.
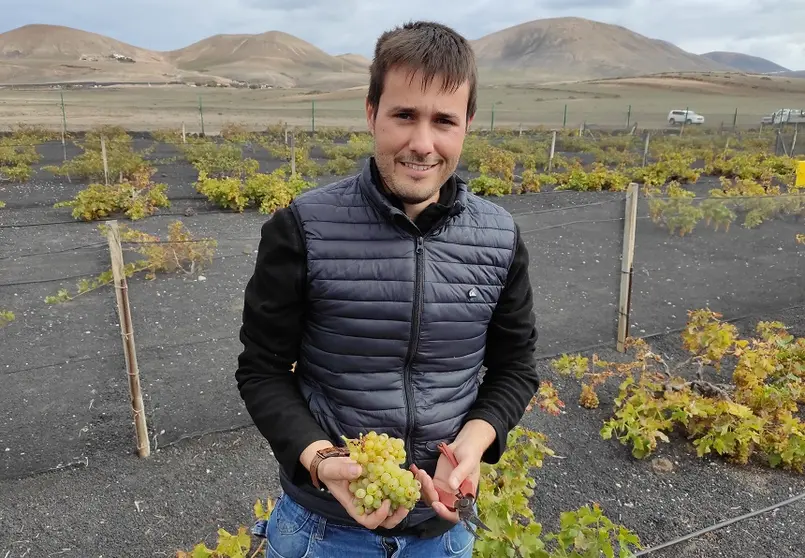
x=336, y=473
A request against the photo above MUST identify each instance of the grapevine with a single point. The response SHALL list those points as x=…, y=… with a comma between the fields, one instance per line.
x=382, y=478
x=123, y=163
x=6, y=317
x=135, y=197
x=485, y=185
x=757, y=414
x=180, y=252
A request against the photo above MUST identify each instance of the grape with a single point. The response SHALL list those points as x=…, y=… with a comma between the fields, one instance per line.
x=382, y=478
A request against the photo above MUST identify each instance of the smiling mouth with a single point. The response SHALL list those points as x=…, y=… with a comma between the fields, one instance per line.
x=417, y=166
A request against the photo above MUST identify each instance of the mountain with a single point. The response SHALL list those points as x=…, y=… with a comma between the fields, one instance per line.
x=557, y=49
x=54, y=53
x=572, y=48
x=57, y=42
x=744, y=62
x=274, y=57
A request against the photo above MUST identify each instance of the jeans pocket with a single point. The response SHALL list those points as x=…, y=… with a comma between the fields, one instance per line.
x=458, y=541
x=289, y=530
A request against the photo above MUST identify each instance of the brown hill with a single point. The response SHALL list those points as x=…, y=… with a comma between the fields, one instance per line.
x=745, y=62
x=357, y=61
x=573, y=48
x=56, y=42
x=274, y=57
x=54, y=53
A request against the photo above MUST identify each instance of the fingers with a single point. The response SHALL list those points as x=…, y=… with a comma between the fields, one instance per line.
x=428, y=490
x=394, y=519
x=442, y=511
x=372, y=520
x=431, y=497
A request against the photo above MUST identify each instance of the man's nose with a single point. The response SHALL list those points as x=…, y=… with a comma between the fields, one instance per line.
x=421, y=141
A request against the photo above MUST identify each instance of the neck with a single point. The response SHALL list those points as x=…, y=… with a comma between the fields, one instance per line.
x=413, y=210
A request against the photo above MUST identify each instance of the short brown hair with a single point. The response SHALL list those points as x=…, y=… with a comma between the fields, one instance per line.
x=432, y=48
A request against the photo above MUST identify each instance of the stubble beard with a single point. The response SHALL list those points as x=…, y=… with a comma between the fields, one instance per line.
x=407, y=190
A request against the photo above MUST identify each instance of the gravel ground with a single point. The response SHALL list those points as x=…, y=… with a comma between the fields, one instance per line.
x=65, y=420
x=119, y=505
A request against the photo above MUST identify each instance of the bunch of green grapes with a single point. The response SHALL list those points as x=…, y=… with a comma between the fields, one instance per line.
x=380, y=457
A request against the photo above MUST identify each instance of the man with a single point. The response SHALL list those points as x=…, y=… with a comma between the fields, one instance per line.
x=390, y=290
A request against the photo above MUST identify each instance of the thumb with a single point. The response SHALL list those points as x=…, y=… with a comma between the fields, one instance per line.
x=460, y=473
x=340, y=468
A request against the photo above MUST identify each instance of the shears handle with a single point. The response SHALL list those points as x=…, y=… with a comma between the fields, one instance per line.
x=446, y=496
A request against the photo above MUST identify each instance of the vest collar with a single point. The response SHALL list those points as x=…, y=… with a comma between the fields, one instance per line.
x=372, y=190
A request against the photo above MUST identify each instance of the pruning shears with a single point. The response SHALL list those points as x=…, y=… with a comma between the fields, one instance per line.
x=462, y=500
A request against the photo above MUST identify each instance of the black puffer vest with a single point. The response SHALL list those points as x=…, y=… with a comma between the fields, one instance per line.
x=396, y=323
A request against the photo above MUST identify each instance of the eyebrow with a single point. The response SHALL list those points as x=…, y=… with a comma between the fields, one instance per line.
x=439, y=114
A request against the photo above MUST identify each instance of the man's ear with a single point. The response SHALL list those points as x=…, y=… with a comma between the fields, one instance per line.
x=370, y=117
x=469, y=121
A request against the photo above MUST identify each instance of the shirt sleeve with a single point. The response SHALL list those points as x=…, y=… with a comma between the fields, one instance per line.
x=511, y=378
x=273, y=314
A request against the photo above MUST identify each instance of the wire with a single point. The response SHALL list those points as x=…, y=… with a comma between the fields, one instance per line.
x=120, y=353
x=567, y=208
x=62, y=251
x=576, y=223
x=53, y=280
x=720, y=525
x=103, y=220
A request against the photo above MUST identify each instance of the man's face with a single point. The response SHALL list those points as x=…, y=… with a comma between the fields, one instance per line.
x=418, y=135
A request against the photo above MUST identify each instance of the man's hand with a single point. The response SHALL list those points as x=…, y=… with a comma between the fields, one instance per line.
x=336, y=473
x=468, y=447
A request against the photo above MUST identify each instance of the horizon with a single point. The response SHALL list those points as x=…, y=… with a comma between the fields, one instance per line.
x=739, y=29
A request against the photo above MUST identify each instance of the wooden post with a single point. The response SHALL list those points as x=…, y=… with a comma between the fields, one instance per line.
x=794, y=140
x=645, y=148
x=184, y=134
x=553, y=150
x=127, y=333
x=629, y=228
x=293, y=154
x=64, y=144
x=105, y=162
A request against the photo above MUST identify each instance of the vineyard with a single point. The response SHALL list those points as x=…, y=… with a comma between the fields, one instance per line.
x=719, y=239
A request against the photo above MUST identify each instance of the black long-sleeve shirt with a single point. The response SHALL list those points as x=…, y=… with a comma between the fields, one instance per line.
x=274, y=319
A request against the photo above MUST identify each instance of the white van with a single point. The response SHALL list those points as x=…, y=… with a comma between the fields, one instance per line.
x=688, y=116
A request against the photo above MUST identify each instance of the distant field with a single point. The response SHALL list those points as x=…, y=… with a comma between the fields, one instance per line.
x=603, y=103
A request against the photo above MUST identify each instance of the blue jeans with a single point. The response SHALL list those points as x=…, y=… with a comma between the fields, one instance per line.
x=293, y=531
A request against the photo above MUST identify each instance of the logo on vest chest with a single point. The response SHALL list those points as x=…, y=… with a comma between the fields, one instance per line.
x=472, y=294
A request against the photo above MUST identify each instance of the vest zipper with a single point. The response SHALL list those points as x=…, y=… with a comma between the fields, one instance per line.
x=413, y=344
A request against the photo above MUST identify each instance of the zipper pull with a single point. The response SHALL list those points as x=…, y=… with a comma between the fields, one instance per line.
x=419, y=244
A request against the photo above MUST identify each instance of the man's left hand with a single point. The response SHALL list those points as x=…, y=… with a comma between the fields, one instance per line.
x=468, y=447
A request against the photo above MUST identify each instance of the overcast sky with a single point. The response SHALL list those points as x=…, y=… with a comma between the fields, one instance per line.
x=772, y=29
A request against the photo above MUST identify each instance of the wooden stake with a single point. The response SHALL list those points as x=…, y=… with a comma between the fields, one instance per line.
x=553, y=151
x=105, y=162
x=127, y=333
x=184, y=134
x=293, y=154
x=645, y=148
x=629, y=228
x=794, y=140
